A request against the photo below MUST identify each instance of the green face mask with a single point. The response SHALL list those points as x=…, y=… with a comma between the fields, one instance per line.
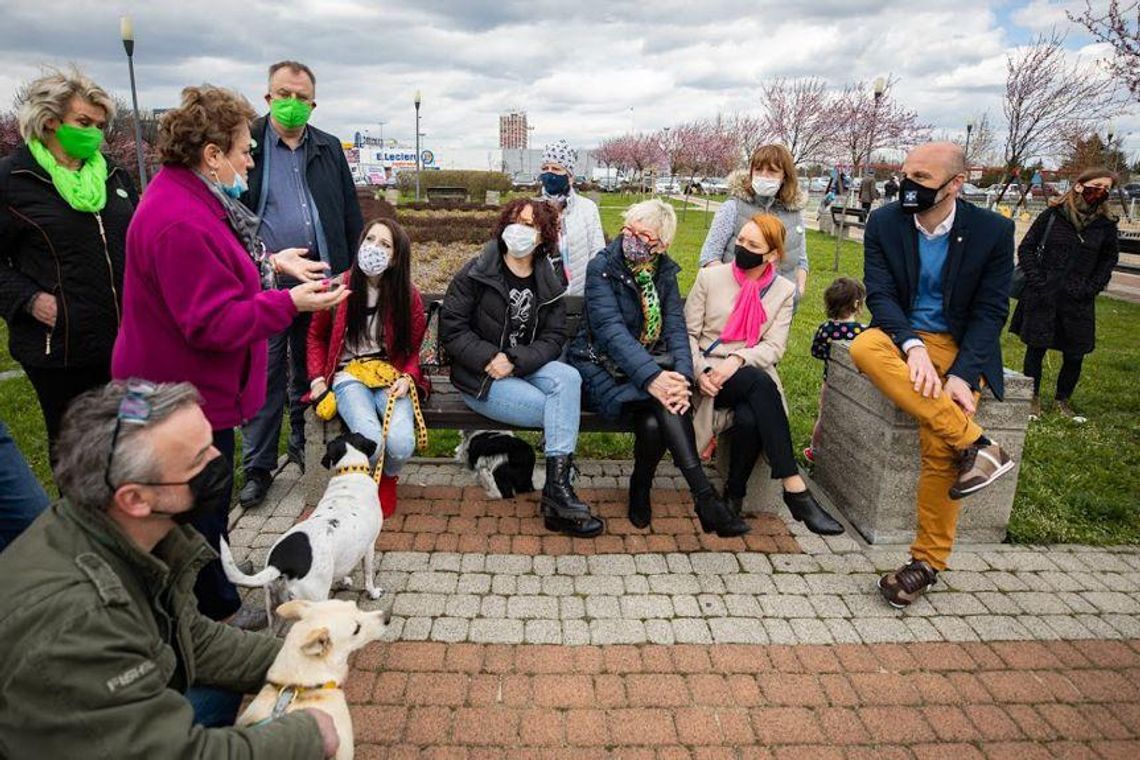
x=79, y=142
x=290, y=112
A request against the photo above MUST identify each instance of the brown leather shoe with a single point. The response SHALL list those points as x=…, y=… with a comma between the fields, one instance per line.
x=904, y=586
x=978, y=467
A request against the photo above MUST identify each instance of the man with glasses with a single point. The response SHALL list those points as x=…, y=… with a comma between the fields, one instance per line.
x=106, y=652
x=302, y=189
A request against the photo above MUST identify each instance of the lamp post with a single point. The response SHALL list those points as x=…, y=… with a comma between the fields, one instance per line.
x=418, y=99
x=1109, y=160
x=127, y=32
x=382, y=123
x=969, y=130
x=880, y=87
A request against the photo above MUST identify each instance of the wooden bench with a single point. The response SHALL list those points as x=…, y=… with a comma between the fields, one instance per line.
x=849, y=216
x=444, y=409
x=440, y=193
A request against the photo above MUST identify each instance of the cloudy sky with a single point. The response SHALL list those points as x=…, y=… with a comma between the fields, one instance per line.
x=584, y=69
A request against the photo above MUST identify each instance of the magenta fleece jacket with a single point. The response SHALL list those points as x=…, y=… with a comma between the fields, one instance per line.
x=193, y=307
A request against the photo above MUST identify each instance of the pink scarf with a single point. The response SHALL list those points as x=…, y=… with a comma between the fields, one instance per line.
x=748, y=315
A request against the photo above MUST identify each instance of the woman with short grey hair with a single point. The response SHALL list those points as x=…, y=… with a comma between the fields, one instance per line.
x=64, y=211
x=632, y=350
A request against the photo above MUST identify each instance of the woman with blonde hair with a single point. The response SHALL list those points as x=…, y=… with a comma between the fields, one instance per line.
x=64, y=211
x=767, y=186
x=738, y=317
x=1066, y=258
x=633, y=352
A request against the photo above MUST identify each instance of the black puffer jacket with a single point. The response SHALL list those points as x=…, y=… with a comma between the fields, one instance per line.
x=46, y=245
x=1058, y=308
x=473, y=320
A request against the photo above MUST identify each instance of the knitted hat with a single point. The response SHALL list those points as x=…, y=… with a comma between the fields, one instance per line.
x=560, y=152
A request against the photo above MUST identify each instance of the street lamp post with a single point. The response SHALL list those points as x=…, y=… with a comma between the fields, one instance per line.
x=127, y=32
x=969, y=130
x=418, y=99
x=382, y=123
x=879, y=89
x=1109, y=160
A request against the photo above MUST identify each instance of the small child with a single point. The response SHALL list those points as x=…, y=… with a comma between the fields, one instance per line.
x=844, y=301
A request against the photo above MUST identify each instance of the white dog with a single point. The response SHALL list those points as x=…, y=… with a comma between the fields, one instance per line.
x=341, y=532
x=311, y=668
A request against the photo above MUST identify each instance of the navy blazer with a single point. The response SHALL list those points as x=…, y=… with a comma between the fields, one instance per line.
x=975, y=284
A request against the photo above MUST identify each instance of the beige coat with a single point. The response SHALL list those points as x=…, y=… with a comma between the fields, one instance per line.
x=707, y=309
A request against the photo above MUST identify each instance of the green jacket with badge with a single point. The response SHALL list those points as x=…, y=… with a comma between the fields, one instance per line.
x=101, y=640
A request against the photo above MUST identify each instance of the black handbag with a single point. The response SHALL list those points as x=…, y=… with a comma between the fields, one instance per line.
x=1018, y=282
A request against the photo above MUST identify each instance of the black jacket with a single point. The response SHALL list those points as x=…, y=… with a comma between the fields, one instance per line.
x=330, y=182
x=1058, y=308
x=474, y=320
x=46, y=245
x=975, y=284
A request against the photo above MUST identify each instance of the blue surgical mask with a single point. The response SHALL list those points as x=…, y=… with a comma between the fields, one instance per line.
x=237, y=187
x=555, y=184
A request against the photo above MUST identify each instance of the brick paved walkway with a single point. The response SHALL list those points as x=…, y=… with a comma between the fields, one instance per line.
x=508, y=642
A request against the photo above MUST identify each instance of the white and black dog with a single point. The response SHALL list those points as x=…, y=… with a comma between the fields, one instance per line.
x=328, y=546
x=503, y=463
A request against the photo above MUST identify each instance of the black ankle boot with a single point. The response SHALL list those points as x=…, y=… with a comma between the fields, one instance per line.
x=640, y=509
x=807, y=510
x=716, y=517
x=735, y=504
x=563, y=511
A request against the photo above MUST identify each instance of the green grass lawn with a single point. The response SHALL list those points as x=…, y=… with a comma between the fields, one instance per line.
x=1078, y=484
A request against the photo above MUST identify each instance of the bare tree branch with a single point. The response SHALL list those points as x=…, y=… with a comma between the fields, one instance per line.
x=1120, y=28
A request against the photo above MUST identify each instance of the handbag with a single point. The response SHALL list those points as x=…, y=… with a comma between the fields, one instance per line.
x=1018, y=282
x=431, y=350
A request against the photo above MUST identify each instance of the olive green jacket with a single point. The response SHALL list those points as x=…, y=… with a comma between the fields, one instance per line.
x=101, y=640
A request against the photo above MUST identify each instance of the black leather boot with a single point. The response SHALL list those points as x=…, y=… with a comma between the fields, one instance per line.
x=735, y=504
x=716, y=517
x=807, y=510
x=562, y=510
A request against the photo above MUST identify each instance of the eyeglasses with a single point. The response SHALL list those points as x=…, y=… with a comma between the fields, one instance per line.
x=135, y=409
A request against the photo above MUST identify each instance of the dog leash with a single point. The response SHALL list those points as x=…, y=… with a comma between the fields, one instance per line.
x=389, y=410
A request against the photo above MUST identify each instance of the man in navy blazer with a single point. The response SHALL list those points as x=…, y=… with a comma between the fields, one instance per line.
x=937, y=272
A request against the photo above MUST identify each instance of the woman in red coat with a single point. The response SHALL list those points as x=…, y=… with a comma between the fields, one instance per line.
x=383, y=318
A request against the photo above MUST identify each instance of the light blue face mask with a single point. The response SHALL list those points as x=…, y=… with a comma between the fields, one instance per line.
x=237, y=187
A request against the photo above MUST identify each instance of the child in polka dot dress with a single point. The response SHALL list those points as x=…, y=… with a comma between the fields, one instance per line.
x=844, y=301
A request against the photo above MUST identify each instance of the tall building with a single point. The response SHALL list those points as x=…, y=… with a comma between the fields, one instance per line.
x=513, y=132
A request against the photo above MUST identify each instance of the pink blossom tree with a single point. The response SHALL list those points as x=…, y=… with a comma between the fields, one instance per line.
x=803, y=115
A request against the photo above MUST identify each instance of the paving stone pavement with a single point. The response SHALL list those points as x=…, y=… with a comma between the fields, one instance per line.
x=503, y=636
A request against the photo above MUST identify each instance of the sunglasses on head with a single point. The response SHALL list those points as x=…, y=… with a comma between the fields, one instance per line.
x=134, y=408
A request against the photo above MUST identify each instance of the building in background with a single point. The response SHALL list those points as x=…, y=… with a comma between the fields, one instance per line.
x=376, y=162
x=514, y=132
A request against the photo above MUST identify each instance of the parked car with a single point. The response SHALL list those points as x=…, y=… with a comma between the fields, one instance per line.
x=972, y=192
x=819, y=184
x=1132, y=190
x=707, y=185
x=668, y=186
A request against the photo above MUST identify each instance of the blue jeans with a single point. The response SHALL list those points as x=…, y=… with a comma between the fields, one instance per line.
x=362, y=410
x=213, y=707
x=549, y=400
x=22, y=498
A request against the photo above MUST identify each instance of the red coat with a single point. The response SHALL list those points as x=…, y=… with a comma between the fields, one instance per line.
x=326, y=342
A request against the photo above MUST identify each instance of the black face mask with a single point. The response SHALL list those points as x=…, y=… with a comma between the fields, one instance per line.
x=210, y=488
x=915, y=198
x=746, y=259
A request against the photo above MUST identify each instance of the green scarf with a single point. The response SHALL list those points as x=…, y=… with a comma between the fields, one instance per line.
x=650, y=302
x=84, y=189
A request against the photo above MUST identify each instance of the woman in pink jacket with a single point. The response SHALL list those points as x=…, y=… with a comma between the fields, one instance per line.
x=198, y=297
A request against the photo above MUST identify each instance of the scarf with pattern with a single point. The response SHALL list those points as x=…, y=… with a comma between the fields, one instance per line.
x=245, y=225
x=643, y=263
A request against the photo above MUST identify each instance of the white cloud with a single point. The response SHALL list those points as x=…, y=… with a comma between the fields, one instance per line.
x=578, y=67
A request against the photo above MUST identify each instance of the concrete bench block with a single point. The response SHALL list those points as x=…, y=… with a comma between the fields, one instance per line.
x=867, y=460
x=764, y=494
x=317, y=435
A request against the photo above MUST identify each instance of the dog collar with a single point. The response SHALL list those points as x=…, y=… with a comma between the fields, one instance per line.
x=362, y=469
x=287, y=694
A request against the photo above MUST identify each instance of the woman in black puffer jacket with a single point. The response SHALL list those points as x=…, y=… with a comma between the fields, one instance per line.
x=1058, y=307
x=503, y=323
x=64, y=211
